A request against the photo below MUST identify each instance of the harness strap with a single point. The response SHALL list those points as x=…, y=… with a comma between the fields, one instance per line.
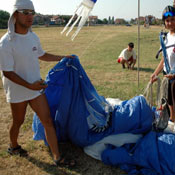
x=164, y=52
x=158, y=53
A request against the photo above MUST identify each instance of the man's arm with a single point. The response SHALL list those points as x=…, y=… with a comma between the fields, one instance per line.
x=134, y=55
x=51, y=57
x=157, y=71
x=38, y=85
x=159, y=67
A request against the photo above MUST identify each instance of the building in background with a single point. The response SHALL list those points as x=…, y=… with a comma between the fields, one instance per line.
x=92, y=20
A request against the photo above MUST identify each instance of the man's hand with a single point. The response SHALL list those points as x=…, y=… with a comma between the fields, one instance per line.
x=70, y=56
x=38, y=85
x=153, y=78
x=170, y=76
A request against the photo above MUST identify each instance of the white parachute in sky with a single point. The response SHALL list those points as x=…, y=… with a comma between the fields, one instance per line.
x=82, y=12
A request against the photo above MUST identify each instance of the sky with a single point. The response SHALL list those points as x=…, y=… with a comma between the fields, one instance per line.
x=126, y=9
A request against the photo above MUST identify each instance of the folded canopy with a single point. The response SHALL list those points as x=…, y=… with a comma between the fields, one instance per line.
x=81, y=115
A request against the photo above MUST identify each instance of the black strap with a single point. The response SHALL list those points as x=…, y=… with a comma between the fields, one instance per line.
x=157, y=55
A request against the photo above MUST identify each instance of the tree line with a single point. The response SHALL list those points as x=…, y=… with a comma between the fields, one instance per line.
x=4, y=16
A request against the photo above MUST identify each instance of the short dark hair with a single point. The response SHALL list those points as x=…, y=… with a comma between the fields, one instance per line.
x=131, y=45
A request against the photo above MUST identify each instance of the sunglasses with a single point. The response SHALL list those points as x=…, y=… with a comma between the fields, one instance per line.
x=167, y=14
x=26, y=12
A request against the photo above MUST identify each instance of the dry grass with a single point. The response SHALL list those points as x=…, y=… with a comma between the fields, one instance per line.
x=97, y=48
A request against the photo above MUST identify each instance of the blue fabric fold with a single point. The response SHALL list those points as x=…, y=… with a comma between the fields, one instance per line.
x=153, y=155
x=76, y=108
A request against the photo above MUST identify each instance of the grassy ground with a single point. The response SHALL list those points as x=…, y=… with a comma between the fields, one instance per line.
x=98, y=49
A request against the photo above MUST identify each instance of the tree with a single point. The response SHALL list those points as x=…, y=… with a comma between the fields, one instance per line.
x=133, y=21
x=105, y=21
x=4, y=16
x=113, y=22
x=109, y=20
x=100, y=21
x=66, y=18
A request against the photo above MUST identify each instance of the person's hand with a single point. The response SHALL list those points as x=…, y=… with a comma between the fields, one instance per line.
x=70, y=56
x=153, y=78
x=170, y=76
x=38, y=85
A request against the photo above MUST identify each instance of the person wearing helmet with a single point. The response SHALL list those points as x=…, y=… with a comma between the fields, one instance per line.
x=20, y=51
x=168, y=17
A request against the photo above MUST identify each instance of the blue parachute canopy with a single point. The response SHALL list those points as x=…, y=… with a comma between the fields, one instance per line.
x=81, y=115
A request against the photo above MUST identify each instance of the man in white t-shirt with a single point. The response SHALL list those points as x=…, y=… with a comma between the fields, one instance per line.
x=19, y=52
x=128, y=56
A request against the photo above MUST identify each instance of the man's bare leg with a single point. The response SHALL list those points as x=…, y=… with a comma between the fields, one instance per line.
x=18, y=114
x=123, y=63
x=172, y=113
x=41, y=107
x=133, y=62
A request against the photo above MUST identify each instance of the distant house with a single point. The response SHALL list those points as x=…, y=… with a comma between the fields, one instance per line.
x=92, y=20
x=141, y=19
x=56, y=19
x=41, y=19
x=119, y=21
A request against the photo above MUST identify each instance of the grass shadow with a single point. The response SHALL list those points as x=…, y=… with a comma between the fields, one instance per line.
x=85, y=164
x=145, y=69
x=51, y=169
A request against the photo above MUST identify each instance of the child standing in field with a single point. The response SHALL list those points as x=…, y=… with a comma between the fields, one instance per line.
x=168, y=18
x=20, y=51
x=128, y=56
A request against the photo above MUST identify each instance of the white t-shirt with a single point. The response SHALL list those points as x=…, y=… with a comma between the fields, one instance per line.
x=170, y=40
x=126, y=54
x=20, y=55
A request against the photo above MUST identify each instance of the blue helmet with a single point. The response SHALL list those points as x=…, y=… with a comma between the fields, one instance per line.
x=168, y=11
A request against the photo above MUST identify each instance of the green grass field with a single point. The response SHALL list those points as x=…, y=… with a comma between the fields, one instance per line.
x=98, y=49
